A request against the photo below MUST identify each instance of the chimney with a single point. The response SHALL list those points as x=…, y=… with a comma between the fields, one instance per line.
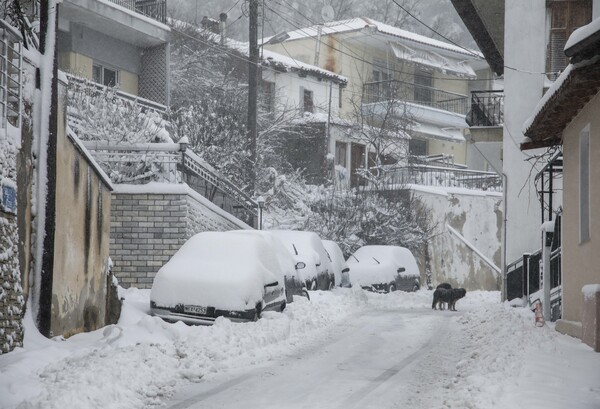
x=222, y=28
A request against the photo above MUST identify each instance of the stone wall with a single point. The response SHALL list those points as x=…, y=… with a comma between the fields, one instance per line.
x=149, y=223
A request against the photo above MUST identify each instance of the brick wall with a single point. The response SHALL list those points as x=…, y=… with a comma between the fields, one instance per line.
x=148, y=228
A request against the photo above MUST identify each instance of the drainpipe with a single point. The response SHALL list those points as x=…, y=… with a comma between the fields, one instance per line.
x=222, y=27
x=504, y=232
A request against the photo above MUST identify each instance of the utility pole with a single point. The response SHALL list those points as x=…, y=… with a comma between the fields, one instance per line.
x=252, y=91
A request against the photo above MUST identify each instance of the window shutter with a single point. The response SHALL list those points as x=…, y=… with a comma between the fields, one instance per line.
x=566, y=17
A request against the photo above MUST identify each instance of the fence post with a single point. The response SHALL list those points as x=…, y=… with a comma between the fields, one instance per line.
x=547, y=233
x=525, y=284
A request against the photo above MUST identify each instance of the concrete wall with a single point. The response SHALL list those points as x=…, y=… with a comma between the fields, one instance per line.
x=477, y=217
x=523, y=87
x=81, y=240
x=149, y=225
x=579, y=259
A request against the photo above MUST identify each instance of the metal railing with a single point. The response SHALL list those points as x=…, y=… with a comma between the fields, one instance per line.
x=442, y=177
x=382, y=91
x=11, y=75
x=487, y=108
x=155, y=9
x=172, y=163
x=98, y=89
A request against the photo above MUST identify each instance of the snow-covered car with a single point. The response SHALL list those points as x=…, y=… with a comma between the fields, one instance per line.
x=341, y=271
x=384, y=269
x=306, y=247
x=216, y=274
x=290, y=270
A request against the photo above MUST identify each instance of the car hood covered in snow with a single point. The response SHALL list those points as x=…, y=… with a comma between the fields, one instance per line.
x=222, y=270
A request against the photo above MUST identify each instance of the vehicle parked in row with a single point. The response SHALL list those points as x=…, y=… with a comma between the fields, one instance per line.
x=384, y=269
x=290, y=269
x=341, y=271
x=218, y=274
x=307, y=247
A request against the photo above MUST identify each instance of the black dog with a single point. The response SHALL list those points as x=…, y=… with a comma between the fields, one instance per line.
x=443, y=295
x=445, y=286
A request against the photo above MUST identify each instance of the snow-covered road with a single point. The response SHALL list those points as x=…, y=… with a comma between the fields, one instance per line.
x=343, y=349
x=374, y=360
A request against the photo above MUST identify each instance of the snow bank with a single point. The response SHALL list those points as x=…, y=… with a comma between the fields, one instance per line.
x=499, y=358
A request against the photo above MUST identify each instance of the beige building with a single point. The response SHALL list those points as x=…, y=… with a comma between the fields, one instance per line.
x=421, y=83
x=568, y=116
x=113, y=45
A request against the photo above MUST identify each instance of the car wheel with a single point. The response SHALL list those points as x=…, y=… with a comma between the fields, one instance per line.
x=416, y=287
x=305, y=294
x=392, y=288
x=283, y=305
x=257, y=311
x=331, y=285
x=313, y=285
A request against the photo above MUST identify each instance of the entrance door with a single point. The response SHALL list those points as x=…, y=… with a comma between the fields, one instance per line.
x=357, y=160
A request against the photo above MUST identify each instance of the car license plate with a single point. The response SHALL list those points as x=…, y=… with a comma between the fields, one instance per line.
x=194, y=309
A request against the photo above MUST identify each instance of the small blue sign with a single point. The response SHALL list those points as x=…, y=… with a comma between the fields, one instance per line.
x=9, y=199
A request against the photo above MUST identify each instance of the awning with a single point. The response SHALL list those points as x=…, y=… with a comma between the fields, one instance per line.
x=433, y=60
x=436, y=132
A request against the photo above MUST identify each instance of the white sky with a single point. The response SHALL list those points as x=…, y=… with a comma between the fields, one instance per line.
x=491, y=355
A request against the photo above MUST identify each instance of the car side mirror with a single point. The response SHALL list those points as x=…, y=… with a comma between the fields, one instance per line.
x=300, y=265
x=347, y=269
x=401, y=270
x=275, y=284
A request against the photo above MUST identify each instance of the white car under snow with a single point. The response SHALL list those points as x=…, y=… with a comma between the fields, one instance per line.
x=218, y=274
x=384, y=269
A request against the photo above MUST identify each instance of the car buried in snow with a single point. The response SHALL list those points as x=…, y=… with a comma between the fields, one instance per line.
x=341, y=270
x=384, y=269
x=306, y=247
x=290, y=270
x=218, y=274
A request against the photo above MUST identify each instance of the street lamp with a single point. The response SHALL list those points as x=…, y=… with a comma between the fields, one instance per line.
x=261, y=204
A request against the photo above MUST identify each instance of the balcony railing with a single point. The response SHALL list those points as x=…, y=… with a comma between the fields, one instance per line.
x=487, y=108
x=155, y=9
x=442, y=177
x=172, y=163
x=391, y=90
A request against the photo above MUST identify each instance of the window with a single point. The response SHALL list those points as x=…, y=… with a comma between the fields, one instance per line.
x=307, y=98
x=417, y=147
x=584, y=184
x=423, y=86
x=565, y=17
x=105, y=76
x=381, y=71
x=10, y=79
x=340, y=153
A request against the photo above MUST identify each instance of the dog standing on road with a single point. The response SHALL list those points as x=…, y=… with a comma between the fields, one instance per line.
x=449, y=296
x=445, y=286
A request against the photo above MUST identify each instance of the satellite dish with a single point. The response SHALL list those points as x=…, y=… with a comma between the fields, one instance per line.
x=327, y=13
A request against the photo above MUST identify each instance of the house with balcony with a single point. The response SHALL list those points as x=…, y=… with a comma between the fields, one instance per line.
x=421, y=84
x=117, y=43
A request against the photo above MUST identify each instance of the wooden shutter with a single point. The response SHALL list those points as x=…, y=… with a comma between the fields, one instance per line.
x=566, y=17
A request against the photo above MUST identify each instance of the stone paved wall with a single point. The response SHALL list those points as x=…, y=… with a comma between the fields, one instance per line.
x=148, y=228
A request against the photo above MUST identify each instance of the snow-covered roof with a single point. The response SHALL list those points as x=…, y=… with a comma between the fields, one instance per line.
x=281, y=62
x=362, y=23
x=575, y=86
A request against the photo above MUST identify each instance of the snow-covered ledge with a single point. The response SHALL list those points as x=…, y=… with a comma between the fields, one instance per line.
x=590, y=318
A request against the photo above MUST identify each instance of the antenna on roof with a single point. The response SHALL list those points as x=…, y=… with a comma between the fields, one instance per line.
x=327, y=13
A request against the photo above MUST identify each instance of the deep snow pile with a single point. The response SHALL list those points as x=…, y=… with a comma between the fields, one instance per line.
x=499, y=358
